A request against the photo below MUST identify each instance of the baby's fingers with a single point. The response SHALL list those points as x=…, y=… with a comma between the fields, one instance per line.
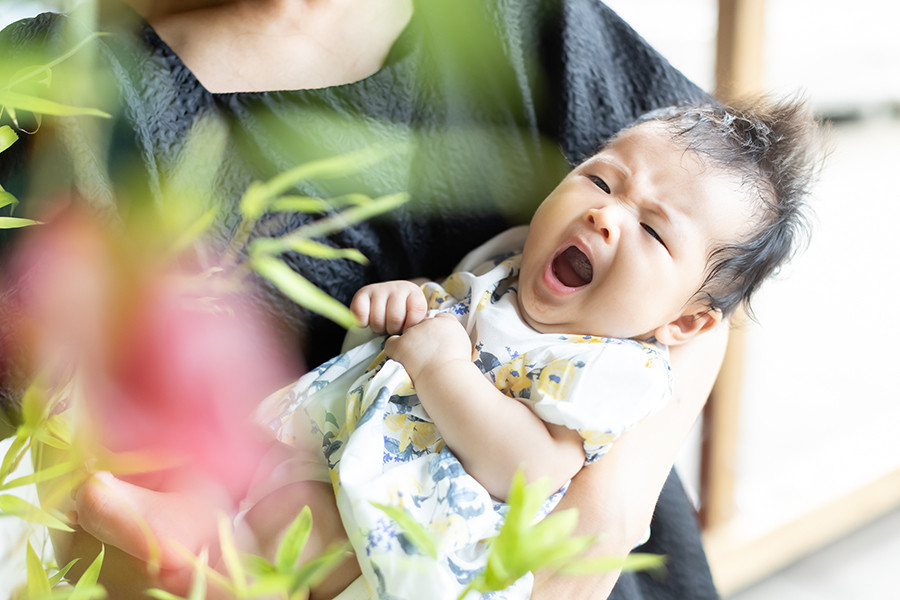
x=395, y=319
x=360, y=307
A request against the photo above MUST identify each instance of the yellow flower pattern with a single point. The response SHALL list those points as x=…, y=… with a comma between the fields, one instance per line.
x=556, y=378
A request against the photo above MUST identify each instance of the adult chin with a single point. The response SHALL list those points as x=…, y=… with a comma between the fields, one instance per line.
x=155, y=9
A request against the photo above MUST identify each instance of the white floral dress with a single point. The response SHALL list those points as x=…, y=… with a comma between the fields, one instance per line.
x=381, y=447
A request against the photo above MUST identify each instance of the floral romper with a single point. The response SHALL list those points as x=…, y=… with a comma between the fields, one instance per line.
x=381, y=447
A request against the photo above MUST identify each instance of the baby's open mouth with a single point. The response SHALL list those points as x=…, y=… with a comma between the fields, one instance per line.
x=572, y=268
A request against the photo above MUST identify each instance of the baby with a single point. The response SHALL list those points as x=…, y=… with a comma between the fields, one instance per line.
x=547, y=345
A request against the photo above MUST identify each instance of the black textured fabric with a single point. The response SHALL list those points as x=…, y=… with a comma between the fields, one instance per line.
x=674, y=534
x=491, y=99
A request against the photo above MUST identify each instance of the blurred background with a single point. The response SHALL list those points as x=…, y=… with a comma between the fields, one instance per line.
x=796, y=469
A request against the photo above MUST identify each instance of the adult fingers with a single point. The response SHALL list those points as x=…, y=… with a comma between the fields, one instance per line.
x=147, y=524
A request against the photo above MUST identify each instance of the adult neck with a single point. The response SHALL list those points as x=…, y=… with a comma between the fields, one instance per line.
x=266, y=45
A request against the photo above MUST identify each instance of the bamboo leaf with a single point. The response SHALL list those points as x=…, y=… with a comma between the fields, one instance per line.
x=595, y=564
x=307, y=247
x=194, y=231
x=15, y=222
x=38, y=584
x=68, y=54
x=301, y=291
x=43, y=475
x=413, y=530
x=161, y=594
x=311, y=573
x=8, y=137
x=230, y=556
x=43, y=106
x=198, y=585
x=13, y=505
x=62, y=573
x=7, y=199
x=13, y=453
x=305, y=204
x=59, y=428
x=258, y=566
x=291, y=547
x=326, y=168
x=273, y=584
x=88, y=581
x=27, y=73
x=351, y=216
x=34, y=405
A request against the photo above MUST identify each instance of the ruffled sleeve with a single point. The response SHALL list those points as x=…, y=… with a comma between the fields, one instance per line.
x=599, y=387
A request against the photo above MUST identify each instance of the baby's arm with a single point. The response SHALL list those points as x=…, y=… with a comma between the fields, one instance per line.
x=490, y=433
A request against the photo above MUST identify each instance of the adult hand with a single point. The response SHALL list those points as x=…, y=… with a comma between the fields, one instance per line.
x=616, y=496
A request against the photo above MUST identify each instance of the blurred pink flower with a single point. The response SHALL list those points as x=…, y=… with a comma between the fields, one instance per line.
x=168, y=364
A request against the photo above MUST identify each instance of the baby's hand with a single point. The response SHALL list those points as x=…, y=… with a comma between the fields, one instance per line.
x=392, y=307
x=431, y=344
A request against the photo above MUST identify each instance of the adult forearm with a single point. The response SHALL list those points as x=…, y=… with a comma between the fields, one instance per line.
x=616, y=496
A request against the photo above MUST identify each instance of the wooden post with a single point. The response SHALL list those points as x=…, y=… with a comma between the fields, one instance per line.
x=720, y=433
x=739, y=48
x=739, y=64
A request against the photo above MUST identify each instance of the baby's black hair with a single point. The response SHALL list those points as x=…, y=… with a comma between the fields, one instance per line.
x=770, y=146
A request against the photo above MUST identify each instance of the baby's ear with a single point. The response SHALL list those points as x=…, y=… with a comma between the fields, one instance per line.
x=696, y=320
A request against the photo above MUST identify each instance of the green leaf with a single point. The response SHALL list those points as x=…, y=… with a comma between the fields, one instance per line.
x=326, y=168
x=307, y=247
x=56, y=470
x=34, y=404
x=17, y=80
x=7, y=199
x=194, y=231
x=60, y=428
x=38, y=584
x=595, y=564
x=8, y=137
x=198, y=584
x=88, y=581
x=351, y=216
x=301, y=291
x=14, y=452
x=62, y=572
x=230, y=556
x=26, y=511
x=27, y=73
x=305, y=204
x=273, y=584
x=43, y=106
x=313, y=572
x=413, y=530
x=161, y=594
x=15, y=222
x=291, y=547
x=258, y=566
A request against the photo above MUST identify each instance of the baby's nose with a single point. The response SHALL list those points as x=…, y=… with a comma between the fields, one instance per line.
x=605, y=221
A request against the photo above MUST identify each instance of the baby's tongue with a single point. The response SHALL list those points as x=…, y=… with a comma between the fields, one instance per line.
x=572, y=268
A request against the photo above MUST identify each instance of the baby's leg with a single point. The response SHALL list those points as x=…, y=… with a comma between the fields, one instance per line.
x=265, y=524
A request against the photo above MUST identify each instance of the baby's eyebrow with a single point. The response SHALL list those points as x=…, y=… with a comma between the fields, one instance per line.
x=659, y=209
x=622, y=170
